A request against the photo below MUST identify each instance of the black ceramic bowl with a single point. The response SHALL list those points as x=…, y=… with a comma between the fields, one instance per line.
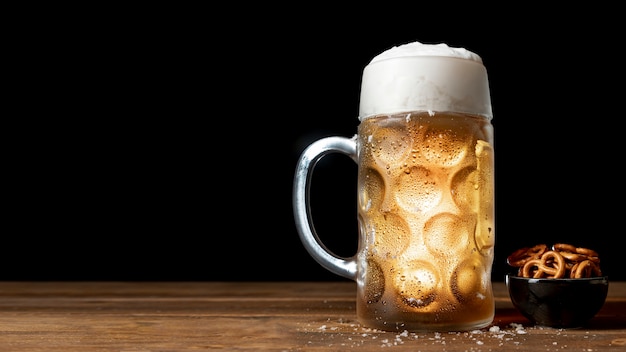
x=558, y=303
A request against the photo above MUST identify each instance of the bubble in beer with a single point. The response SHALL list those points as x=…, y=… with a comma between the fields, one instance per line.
x=417, y=283
x=447, y=234
x=418, y=190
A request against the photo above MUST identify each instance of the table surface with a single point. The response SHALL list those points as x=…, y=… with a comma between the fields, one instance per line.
x=253, y=316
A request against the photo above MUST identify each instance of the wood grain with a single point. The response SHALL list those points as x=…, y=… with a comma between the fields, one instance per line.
x=255, y=316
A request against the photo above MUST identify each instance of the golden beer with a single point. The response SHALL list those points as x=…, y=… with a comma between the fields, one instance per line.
x=426, y=221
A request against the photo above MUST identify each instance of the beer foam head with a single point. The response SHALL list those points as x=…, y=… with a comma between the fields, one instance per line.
x=425, y=77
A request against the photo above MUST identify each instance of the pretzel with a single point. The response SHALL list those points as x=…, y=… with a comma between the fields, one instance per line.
x=564, y=247
x=522, y=255
x=576, y=254
x=561, y=260
x=586, y=268
x=551, y=264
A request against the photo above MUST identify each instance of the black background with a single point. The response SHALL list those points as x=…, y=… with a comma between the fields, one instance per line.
x=161, y=145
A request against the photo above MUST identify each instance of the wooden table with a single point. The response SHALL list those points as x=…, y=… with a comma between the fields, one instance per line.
x=254, y=316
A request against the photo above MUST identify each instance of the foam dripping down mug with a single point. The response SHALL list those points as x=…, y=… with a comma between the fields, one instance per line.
x=425, y=188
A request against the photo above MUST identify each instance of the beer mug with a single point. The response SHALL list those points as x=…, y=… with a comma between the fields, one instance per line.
x=425, y=189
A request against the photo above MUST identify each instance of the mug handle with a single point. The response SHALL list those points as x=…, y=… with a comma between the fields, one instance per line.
x=342, y=266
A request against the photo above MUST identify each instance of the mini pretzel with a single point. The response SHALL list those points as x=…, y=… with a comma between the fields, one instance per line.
x=522, y=255
x=586, y=268
x=564, y=247
x=551, y=265
x=572, y=253
x=561, y=260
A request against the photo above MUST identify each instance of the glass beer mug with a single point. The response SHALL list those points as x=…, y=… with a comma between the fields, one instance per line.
x=425, y=188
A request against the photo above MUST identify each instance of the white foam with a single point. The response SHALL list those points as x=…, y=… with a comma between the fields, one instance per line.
x=419, y=49
x=425, y=77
